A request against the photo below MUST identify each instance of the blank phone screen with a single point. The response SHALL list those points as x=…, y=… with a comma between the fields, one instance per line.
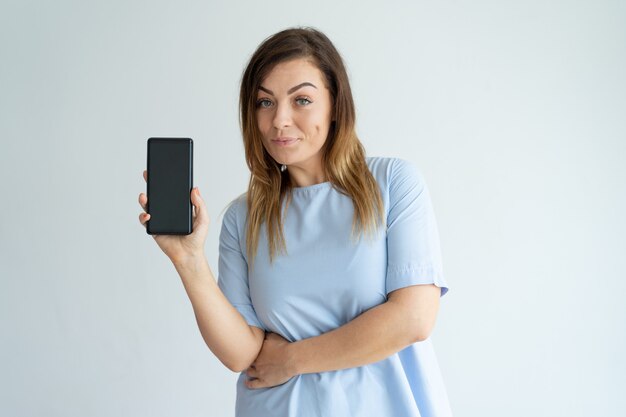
x=170, y=163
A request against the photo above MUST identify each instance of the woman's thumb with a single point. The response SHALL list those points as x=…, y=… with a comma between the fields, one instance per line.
x=197, y=201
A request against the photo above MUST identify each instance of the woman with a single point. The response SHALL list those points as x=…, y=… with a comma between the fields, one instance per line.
x=329, y=268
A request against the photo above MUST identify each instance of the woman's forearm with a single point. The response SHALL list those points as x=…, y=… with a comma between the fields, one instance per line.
x=370, y=337
x=223, y=329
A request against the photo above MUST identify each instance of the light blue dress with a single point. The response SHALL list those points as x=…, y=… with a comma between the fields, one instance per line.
x=326, y=281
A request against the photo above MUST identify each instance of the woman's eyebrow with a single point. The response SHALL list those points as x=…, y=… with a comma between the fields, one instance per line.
x=291, y=90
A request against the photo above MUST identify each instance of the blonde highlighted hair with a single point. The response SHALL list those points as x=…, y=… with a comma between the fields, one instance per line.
x=343, y=154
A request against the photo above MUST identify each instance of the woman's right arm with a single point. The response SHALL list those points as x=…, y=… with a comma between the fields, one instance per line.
x=227, y=334
x=235, y=343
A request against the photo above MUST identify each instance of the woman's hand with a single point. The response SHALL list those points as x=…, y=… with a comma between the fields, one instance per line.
x=274, y=365
x=181, y=247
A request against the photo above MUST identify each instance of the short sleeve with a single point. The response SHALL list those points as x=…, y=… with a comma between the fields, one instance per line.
x=413, y=249
x=233, y=268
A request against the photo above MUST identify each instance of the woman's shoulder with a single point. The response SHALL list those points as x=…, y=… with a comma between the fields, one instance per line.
x=387, y=161
x=235, y=210
x=388, y=169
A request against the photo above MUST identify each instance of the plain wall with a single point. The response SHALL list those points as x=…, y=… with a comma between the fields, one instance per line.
x=514, y=112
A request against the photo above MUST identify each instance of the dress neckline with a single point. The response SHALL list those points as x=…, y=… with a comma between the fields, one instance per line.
x=310, y=188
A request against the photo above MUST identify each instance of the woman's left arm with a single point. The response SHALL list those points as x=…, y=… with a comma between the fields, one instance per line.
x=408, y=316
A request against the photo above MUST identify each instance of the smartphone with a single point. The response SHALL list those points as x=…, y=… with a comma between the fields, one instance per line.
x=170, y=181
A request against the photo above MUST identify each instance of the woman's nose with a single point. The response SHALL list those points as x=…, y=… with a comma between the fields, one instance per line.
x=282, y=117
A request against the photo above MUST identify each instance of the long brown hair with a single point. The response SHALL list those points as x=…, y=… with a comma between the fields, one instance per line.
x=343, y=154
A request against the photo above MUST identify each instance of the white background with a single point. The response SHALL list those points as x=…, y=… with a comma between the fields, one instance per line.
x=514, y=112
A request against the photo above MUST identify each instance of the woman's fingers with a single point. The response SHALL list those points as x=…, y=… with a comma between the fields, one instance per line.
x=143, y=200
x=143, y=218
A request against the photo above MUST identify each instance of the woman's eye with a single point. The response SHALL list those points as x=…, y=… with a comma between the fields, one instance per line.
x=264, y=103
x=303, y=101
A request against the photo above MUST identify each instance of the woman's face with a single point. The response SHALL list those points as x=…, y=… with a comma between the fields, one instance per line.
x=293, y=111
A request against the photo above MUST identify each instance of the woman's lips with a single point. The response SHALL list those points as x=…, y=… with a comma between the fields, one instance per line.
x=284, y=141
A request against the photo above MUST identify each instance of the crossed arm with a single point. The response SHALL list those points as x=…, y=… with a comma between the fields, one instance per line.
x=408, y=316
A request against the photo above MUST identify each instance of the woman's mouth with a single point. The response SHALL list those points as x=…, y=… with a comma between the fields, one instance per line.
x=284, y=141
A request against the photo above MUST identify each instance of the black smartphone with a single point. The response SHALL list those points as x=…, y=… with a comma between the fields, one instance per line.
x=170, y=181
